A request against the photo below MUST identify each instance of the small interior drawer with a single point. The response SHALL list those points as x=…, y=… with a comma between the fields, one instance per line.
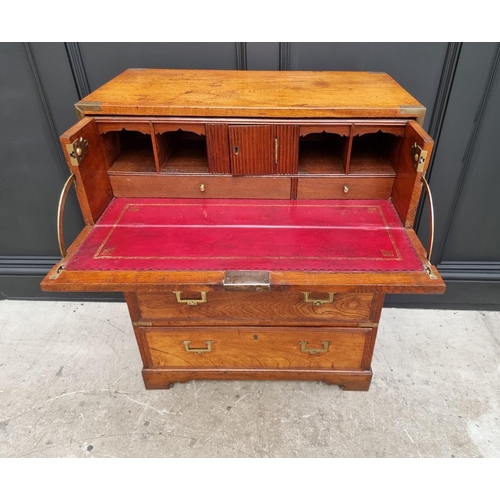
x=280, y=347
x=253, y=308
x=347, y=187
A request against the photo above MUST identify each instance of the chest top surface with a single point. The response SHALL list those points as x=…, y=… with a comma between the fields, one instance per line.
x=274, y=94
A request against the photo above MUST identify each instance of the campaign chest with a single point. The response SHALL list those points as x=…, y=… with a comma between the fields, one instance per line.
x=253, y=220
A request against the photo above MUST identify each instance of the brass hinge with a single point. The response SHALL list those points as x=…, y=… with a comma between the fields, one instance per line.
x=418, y=157
x=55, y=274
x=142, y=323
x=368, y=325
x=77, y=151
x=430, y=272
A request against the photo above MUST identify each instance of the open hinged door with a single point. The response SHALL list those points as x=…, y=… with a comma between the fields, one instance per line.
x=413, y=160
x=87, y=159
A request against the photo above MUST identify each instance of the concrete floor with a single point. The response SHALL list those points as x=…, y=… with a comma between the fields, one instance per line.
x=70, y=386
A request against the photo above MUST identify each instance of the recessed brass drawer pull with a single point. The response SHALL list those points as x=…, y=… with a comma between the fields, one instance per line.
x=318, y=302
x=198, y=350
x=325, y=348
x=191, y=302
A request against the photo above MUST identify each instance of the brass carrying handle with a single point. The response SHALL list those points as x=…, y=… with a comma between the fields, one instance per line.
x=191, y=302
x=318, y=302
x=431, y=213
x=198, y=350
x=324, y=343
x=60, y=212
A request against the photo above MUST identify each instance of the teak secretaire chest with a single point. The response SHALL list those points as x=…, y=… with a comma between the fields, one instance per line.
x=253, y=220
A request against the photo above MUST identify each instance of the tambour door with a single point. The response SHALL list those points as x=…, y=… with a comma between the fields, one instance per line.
x=251, y=149
x=263, y=149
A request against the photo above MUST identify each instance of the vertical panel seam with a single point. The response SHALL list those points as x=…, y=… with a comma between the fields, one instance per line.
x=77, y=65
x=471, y=144
x=440, y=108
x=46, y=107
x=241, y=56
x=284, y=56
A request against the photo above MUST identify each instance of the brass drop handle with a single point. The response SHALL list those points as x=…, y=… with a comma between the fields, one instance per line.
x=324, y=343
x=191, y=302
x=346, y=189
x=202, y=187
x=60, y=212
x=318, y=302
x=198, y=350
x=431, y=215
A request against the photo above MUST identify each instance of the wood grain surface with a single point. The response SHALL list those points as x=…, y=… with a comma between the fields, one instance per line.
x=168, y=92
x=255, y=308
x=161, y=378
x=277, y=347
x=198, y=186
x=93, y=188
x=332, y=188
x=407, y=187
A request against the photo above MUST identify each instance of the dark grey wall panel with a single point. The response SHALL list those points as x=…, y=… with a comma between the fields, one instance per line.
x=460, y=294
x=104, y=61
x=32, y=169
x=58, y=84
x=416, y=66
x=59, y=92
x=23, y=287
x=263, y=56
x=449, y=172
x=475, y=229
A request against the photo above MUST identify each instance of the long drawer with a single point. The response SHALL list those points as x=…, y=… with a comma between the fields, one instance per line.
x=252, y=308
x=199, y=186
x=279, y=347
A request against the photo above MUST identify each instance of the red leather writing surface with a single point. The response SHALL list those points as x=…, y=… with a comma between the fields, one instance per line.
x=305, y=235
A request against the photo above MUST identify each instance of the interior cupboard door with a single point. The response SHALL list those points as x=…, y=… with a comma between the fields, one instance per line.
x=251, y=149
x=407, y=188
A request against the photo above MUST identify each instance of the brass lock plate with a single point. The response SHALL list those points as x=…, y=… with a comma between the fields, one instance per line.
x=249, y=281
x=418, y=157
x=77, y=151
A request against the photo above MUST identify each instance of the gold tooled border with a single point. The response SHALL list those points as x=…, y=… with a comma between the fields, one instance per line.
x=126, y=207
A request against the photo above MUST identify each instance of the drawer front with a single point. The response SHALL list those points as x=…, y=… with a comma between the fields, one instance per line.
x=255, y=308
x=280, y=347
x=345, y=188
x=197, y=186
